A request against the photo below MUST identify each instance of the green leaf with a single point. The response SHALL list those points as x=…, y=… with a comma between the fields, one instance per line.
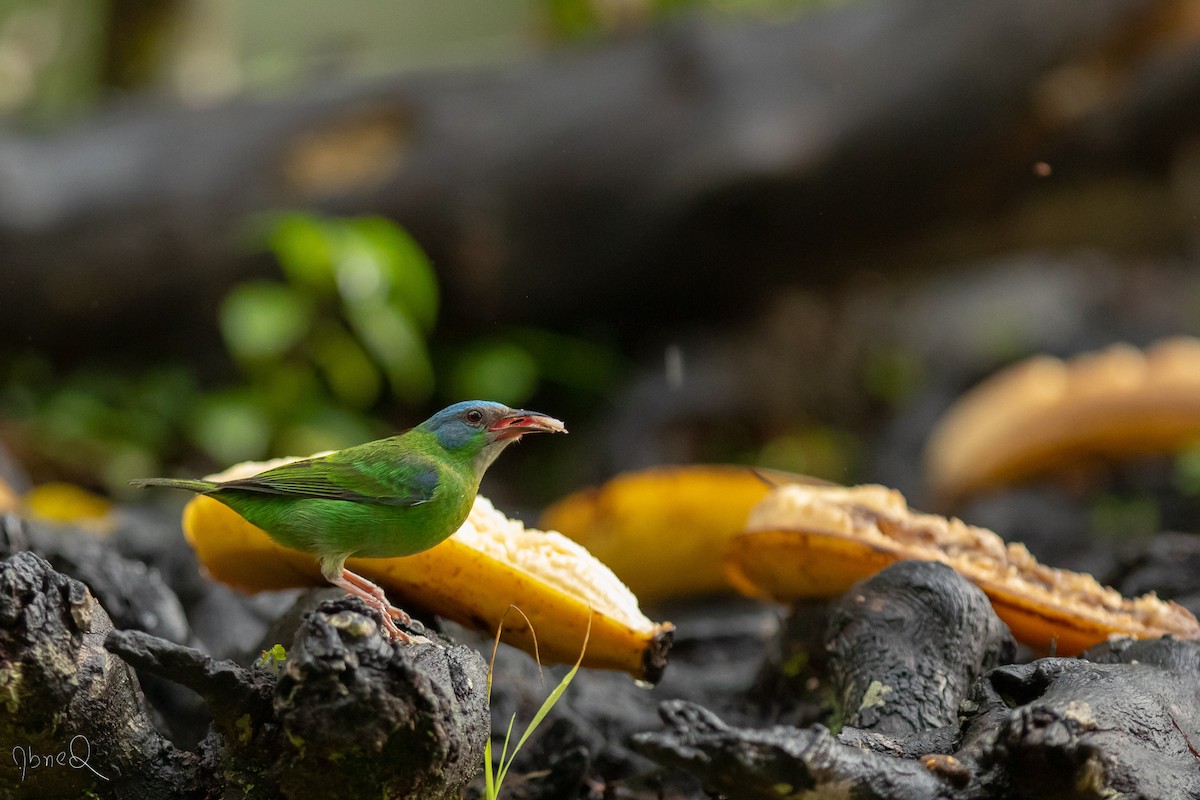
x=412, y=284
x=230, y=427
x=352, y=376
x=397, y=345
x=304, y=246
x=262, y=319
x=489, y=779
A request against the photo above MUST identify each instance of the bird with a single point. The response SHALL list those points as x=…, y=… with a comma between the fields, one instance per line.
x=383, y=499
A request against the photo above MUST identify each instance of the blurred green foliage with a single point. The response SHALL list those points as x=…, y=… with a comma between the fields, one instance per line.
x=51, y=59
x=585, y=18
x=347, y=324
x=1186, y=473
x=822, y=451
x=513, y=363
x=891, y=374
x=93, y=425
x=1122, y=518
x=323, y=353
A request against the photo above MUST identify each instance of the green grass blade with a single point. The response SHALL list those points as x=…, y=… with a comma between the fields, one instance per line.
x=489, y=780
x=547, y=706
x=493, y=781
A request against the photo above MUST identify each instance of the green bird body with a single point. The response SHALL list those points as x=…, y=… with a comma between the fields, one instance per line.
x=393, y=497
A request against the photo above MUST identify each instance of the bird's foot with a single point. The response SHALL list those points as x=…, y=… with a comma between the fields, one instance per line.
x=390, y=629
x=394, y=633
x=373, y=596
x=397, y=614
x=363, y=587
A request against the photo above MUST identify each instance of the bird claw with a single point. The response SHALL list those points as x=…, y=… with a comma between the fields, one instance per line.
x=398, y=615
x=398, y=636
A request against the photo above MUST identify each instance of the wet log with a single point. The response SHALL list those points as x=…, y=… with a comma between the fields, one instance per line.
x=545, y=191
x=134, y=595
x=1124, y=720
x=74, y=721
x=1070, y=728
x=781, y=761
x=347, y=715
x=906, y=645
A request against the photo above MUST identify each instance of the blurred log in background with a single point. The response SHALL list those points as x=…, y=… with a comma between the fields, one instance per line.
x=689, y=184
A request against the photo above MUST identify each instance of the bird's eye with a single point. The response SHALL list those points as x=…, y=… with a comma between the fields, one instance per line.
x=474, y=416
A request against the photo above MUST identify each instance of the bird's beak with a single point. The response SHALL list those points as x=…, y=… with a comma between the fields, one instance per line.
x=518, y=422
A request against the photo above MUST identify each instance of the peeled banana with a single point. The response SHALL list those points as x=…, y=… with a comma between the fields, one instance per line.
x=1044, y=413
x=816, y=541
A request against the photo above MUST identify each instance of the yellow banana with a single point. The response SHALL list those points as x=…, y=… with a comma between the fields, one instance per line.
x=1044, y=413
x=662, y=530
x=473, y=577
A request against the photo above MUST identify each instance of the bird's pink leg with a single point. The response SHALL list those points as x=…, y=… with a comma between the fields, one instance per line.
x=377, y=592
x=347, y=580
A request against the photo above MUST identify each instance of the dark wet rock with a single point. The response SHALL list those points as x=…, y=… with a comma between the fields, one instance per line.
x=348, y=715
x=583, y=740
x=782, y=761
x=134, y=595
x=235, y=625
x=1181, y=658
x=1069, y=728
x=715, y=656
x=718, y=651
x=1123, y=721
x=905, y=646
x=147, y=578
x=360, y=717
x=910, y=745
x=901, y=651
x=287, y=623
x=1055, y=728
x=564, y=766
x=1170, y=566
x=792, y=684
x=225, y=622
x=228, y=689
x=66, y=699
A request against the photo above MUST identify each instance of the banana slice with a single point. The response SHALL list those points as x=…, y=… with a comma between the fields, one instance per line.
x=473, y=577
x=1044, y=413
x=662, y=530
x=811, y=541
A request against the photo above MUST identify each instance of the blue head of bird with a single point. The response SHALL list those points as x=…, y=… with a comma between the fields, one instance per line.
x=483, y=428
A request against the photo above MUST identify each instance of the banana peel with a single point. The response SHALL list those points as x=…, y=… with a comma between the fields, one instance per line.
x=810, y=541
x=662, y=530
x=1045, y=413
x=473, y=577
x=66, y=503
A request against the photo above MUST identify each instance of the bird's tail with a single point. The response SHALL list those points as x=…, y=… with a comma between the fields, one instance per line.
x=172, y=483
